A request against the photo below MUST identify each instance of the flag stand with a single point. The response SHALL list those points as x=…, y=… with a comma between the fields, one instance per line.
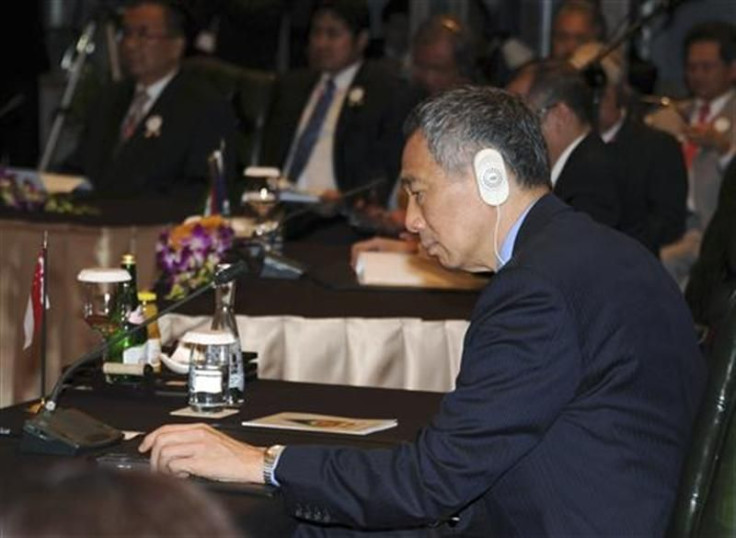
x=42, y=261
x=44, y=303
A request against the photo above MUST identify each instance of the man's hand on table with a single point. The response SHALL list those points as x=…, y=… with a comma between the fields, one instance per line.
x=199, y=449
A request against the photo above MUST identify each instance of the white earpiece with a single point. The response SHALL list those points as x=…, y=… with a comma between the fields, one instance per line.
x=490, y=174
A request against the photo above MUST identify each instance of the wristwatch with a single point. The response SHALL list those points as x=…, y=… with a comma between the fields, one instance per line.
x=270, y=457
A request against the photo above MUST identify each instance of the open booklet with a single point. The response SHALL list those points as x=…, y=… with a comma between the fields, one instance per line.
x=290, y=420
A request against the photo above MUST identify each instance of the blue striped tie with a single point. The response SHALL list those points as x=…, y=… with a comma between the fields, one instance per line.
x=309, y=136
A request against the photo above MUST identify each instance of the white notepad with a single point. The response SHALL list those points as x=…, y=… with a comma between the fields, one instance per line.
x=290, y=420
x=410, y=270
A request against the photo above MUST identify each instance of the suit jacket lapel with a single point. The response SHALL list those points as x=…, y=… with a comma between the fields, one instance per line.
x=346, y=112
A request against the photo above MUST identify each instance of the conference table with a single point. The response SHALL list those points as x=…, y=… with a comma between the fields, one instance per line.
x=322, y=327
x=258, y=511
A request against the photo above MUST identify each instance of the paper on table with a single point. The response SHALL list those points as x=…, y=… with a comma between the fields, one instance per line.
x=411, y=270
x=48, y=182
x=290, y=420
x=63, y=184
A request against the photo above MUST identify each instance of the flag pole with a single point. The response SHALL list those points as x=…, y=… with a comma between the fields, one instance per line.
x=44, y=301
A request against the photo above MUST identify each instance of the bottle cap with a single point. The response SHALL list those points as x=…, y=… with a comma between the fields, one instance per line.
x=103, y=274
x=128, y=259
x=209, y=337
x=146, y=296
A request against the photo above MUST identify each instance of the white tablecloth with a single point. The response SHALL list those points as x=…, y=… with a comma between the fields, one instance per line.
x=403, y=353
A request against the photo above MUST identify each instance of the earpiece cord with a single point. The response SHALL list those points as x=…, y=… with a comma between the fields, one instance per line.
x=495, y=236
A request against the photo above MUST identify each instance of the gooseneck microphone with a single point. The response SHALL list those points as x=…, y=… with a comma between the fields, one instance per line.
x=69, y=431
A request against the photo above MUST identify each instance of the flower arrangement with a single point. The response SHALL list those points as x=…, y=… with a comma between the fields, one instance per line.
x=188, y=254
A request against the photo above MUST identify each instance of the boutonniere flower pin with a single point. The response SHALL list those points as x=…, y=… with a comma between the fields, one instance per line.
x=356, y=96
x=722, y=124
x=153, y=126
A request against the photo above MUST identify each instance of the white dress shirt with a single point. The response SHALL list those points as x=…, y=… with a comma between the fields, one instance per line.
x=564, y=156
x=319, y=173
x=154, y=91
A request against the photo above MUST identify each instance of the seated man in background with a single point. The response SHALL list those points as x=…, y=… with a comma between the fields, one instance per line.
x=443, y=55
x=706, y=125
x=575, y=23
x=654, y=188
x=336, y=126
x=152, y=133
x=584, y=173
x=580, y=373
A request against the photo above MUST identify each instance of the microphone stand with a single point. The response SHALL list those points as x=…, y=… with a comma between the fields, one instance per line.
x=593, y=72
x=84, y=47
x=69, y=431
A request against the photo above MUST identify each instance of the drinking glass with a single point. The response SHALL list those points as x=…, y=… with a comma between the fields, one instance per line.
x=260, y=203
x=209, y=368
x=101, y=308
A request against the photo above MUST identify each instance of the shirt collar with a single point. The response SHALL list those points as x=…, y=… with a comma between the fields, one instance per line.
x=612, y=131
x=155, y=89
x=507, y=247
x=562, y=159
x=343, y=79
x=716, y=105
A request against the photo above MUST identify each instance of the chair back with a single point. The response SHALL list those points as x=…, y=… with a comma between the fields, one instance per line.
x=718, y=517
x=248, y=90
x=710, y=431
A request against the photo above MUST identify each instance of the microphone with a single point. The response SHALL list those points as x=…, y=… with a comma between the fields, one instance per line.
x=70, y=431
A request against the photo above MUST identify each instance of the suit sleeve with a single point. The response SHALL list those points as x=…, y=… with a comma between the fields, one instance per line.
x=665, y=221
x=519, y=368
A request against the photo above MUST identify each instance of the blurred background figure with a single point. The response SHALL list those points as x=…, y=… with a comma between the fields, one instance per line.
x=80, y=499
x=584, y=172
x=443, y=55
x=151, y=133
x=706, y=126
x=393, y=47
x=336, y=126
x=654, y=186
x=576, y=22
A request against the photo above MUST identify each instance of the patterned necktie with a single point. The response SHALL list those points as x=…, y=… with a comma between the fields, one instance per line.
x=309, y=136
x=691, y=149
x=135, y=114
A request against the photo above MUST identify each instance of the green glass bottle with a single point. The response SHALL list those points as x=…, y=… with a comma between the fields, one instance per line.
x=131, y=350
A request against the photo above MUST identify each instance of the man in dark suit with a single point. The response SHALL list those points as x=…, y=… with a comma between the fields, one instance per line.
x=580, y=373
x=584, y=173
x=654, y=188
x=152, y=133
x=337, y=125
x=713, y=276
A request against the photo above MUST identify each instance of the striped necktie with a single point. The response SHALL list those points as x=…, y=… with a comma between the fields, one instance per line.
x=135, y=114
x=310, y=134
x=689, y=148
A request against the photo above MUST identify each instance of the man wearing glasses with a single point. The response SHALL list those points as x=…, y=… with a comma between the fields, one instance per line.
x=151, y=134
